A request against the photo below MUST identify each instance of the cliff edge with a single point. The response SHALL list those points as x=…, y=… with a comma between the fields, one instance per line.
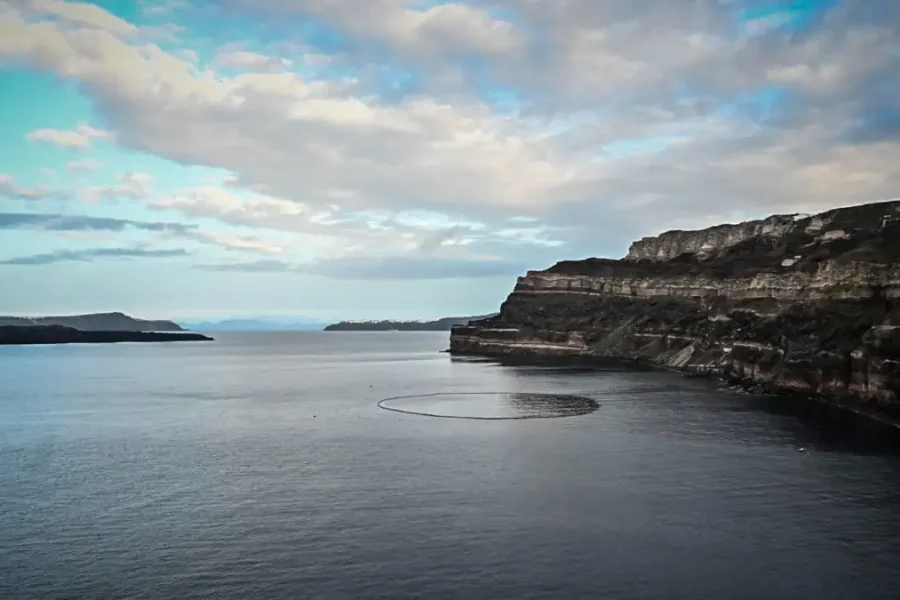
x=797, y=303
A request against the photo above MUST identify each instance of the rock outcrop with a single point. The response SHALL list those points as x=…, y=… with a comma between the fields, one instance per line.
x=57, y=334
x=807, y=304
x=707, y=242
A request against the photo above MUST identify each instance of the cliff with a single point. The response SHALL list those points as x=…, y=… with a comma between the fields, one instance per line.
x=444, y=324
x=57, y=334
x=115, y=321
x=795, y=303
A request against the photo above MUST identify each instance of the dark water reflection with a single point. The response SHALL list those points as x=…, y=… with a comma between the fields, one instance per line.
x=491, y=405
x=260, y=466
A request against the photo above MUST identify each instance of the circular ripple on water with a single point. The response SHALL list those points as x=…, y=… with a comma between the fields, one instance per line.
x=491, y=406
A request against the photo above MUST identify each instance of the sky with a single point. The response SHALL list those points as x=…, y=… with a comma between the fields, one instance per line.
x=409, y=159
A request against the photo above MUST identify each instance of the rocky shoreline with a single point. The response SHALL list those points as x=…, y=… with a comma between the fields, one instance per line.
x=792, y=304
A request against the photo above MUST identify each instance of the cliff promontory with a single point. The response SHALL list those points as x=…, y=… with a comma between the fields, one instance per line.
x=797, y=303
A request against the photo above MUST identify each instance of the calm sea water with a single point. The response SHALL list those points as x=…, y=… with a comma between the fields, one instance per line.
x=261, y=466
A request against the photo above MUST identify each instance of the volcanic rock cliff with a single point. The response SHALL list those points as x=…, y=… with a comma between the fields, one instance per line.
x=797, y=303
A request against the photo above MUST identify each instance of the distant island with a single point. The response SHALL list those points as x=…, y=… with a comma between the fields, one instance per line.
x=96, y=328
x=445, y=324
x=58, y=334
x=114, y=321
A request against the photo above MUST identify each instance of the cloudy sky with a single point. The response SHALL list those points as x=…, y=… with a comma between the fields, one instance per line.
x=404, y=158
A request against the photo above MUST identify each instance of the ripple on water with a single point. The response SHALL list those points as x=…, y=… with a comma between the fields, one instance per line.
x=491, y=405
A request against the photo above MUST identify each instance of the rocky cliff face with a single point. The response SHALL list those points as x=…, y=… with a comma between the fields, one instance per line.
x=797, y=303
x=707, y=242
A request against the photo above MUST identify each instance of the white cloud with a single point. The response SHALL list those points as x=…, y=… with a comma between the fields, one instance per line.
x=80, y=138
x=84, y=165
x=592, y=79
x=251, y=61
x=387, y=268
x=166, y=32
x=244, y=243
x=412, y=267
x=157, y=8
x=132, y=185
x=162, y=7
x=763, y=25
x=323, y=233
x=189, y=55
x=229, y=207
x=137, y=178
x=428, y=32
x=263, y=125
x=10, y=189
x=93, y=236
x=80, y=13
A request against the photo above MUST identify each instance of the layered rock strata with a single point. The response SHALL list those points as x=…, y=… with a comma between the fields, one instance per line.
x=798, y=303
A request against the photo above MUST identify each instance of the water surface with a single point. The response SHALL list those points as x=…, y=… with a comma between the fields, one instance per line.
x=261, y=466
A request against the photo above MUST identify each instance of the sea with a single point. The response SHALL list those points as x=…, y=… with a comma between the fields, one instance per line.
x=373, y=465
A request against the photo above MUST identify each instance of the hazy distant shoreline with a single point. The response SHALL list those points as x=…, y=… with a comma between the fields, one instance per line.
x=444, y=324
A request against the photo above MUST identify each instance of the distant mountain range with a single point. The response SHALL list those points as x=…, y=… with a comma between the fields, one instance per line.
x=114, y=321
x=261, y=324
x=444, y=324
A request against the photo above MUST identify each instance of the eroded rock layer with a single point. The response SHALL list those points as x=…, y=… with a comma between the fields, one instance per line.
x=808, y=304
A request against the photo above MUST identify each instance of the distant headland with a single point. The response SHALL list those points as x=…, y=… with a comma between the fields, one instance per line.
x=99, y=328
x=57, y=334
x=113, y=321
x=444, y=324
